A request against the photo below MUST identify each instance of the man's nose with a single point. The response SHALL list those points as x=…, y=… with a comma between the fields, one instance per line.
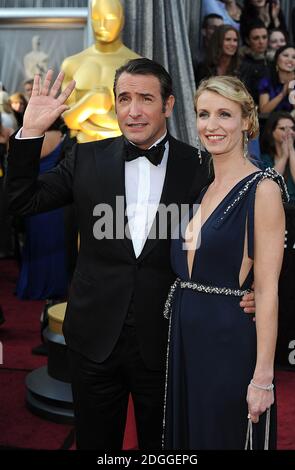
x=135, y=109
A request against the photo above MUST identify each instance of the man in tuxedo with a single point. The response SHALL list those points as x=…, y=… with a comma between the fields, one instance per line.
x=114, y=325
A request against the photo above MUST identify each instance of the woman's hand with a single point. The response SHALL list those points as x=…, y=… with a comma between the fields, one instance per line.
x=285, y=90
x=258, y=402
x=290, y=144
x=275, y=10
x=285, y=148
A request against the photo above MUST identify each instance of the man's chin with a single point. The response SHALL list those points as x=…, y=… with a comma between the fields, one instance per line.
x=135, y=137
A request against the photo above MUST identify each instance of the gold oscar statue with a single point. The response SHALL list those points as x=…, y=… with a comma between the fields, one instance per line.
x=92, y=108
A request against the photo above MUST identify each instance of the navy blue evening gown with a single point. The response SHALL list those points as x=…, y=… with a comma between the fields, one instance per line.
x=43, y=272
x=212, y=347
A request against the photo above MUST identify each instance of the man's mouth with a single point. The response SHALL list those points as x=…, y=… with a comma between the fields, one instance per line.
x=137, y=125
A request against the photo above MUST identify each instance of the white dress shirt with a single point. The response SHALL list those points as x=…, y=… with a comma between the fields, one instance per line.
x=143, y=187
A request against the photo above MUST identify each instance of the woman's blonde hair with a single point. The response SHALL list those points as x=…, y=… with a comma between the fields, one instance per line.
x=18, y=98
x=233, y=89
x=4, y=102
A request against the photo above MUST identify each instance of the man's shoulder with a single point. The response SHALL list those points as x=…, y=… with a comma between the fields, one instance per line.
x=189, y=155
x=182, y=146
x=186, y=152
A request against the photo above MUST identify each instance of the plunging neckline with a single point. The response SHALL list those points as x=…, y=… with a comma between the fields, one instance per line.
x=189, y=275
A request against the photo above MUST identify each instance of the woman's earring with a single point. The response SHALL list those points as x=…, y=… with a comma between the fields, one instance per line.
x=199, y=150
x=245, y=140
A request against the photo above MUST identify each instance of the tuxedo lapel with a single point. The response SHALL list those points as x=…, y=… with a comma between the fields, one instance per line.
x=111, y=172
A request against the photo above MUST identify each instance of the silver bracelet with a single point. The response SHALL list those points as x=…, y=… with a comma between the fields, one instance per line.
x=268, y=388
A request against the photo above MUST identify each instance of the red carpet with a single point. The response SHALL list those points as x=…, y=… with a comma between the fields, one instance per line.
x=285, y=382
x=20, y=332
x=19, y=428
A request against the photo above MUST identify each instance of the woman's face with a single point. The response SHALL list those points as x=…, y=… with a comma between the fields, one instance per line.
x=219, y=123
x=230, y=43
x=286, y=60
x=283, y=128
x=276, y=40
x=18, y=106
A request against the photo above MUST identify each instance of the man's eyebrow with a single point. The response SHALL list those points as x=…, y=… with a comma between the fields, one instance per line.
x=145, y=95
x=260, y=36
x=123, y=93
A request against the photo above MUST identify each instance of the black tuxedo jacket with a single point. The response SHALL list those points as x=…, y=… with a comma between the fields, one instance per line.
x=108, y=277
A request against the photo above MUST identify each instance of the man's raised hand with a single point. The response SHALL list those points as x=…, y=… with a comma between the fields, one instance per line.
x=45, y=106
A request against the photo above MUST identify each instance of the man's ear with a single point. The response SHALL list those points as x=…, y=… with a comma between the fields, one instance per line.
x=168, y=108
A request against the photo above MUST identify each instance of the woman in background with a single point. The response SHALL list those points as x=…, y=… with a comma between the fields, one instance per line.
x=18, y=104
x=7, y=116
x=5, y=220
x=221, y=56
x=233, y=9
x=43, y=272
x=5, y=133
x=277, y=38
x=277, y=147
x=274, y=90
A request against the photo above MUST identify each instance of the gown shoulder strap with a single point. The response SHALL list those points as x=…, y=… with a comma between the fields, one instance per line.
x=269, y=173
x=249, y=189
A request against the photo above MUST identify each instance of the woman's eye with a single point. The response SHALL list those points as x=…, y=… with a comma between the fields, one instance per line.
x=202, y=114
x=224, y=114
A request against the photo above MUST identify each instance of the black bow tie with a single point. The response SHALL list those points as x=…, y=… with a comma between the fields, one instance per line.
x=154, y=154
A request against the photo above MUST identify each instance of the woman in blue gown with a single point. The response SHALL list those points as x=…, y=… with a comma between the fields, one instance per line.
x=43, y=273
x=220, y=362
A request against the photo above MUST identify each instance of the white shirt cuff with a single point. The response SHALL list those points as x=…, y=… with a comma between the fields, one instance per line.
x=18, y=136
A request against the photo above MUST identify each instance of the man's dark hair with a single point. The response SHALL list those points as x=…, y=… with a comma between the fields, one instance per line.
x=30, y=81
x=144, y=66
x=255, y=24
x=211, y=16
